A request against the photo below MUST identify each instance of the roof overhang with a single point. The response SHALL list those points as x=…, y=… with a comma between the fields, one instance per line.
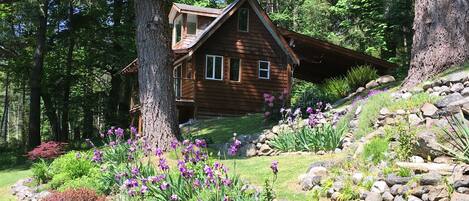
x=188, y=9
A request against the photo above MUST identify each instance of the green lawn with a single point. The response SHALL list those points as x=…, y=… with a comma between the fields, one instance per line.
x=255, y=170
x=13, y=167
x=220, y=130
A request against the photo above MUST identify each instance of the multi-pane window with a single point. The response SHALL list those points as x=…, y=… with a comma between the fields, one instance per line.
x=264, y=70
x=234, y=69
x=243, y=20
x=177, y=32
x=214, y=67
x=191, y=24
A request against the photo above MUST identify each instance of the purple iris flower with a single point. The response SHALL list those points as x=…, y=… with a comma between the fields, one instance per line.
x=144, y=189
x=174, y=144
x=158, y=152
x=119, y=132
x=97, y=156
x=274, y=167
x=133, y=130
x=163, y=165
x=164, y=186
x=174, y=197
x=135, y=171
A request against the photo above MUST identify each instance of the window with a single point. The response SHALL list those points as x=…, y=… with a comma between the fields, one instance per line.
x=191, y=24
x=243, y=20
x=177, y=81
x=214, y=67
x=177, y=30
x=234, y=69
x=264, y=70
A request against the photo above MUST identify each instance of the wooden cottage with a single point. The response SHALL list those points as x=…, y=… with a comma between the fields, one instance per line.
x=225, y=59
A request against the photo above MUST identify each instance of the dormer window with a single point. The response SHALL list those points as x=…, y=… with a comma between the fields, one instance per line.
x=177, y=30
x=243, y=20
x=191, y=24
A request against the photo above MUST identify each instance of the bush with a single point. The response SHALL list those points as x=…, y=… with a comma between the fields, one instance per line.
x=406, y=139
x=75, y=195
x=41, y=171
x=375, y=150
x=47, y=150
x=336, y=88
x=360, y=75
x=325, y=137
x=306, y=94
x=70, y=167
x=458, y=135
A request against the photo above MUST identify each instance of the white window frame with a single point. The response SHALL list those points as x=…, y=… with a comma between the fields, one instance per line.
x=213, y=69
x=247, y=20
x=268, y=70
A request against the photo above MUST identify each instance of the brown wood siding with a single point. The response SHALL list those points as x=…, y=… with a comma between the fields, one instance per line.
x=229, y=97
x=187, y=82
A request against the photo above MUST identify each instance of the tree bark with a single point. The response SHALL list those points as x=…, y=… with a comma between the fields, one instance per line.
x=35, y=78
x=441, y=38
x=155, y=72
x=6, y=108
x=64, y=135
x=51, y=115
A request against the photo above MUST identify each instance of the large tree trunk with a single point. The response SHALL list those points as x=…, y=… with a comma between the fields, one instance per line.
x=51, y=115
x=155, y=72
x=6, y=108
x=441, y=38
x=35, y=78
x=68, y=76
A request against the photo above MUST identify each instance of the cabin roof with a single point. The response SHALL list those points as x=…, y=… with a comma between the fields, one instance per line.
x=196, y=10
x=225, y=15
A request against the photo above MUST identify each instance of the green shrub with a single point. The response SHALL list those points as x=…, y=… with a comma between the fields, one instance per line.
x=458, y=135
x=360, y=75
x=88, y=182
x=325, y=138
x=305, y=94
x=404, y=172
x=406, y=139
x=349, y=192
x=72, y=164
x=375, y=150
x=41, y=171
x=336, y=88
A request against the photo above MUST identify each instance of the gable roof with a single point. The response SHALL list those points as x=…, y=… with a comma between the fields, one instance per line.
x=184, y=8
x=329, y=47
x=226, y=14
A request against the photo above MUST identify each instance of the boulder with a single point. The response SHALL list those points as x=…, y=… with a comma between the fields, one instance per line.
x=457, y=87
x=393, y=179
x=459, y=197
x=265, y=150
x=248, y=150
x=307, y=182
x=437, y=193
x=462, y=181
x=414, y=119
x=400, y=112
x=416, y=159
x=413, y=198
x=431, y=178
x=419, y=191
x=406, y=95
x=387, y=196
x=448, y=100
x=371, y=84
x=379, y=187
x=399, y=198
x=357, y=177
x=427, y=85
x=465, y=109
x=428, y=110
x=427, y=145
x=443, y=159
x=373, y=196
x=456, y=77
x=384, y=112
x=385, y=79
x=270, y=136
x=465, y=92
x=464, y=190
x=398, y=189
x=360, y=89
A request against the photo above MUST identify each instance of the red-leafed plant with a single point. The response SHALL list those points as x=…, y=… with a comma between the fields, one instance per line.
x=75, y=195
x=47, y=150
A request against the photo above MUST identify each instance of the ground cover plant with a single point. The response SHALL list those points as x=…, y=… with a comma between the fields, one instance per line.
x=372, y=104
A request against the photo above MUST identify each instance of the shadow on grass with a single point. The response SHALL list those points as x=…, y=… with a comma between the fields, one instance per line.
x=12, y=161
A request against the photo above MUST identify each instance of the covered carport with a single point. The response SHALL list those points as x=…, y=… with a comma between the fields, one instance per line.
x=320, y=60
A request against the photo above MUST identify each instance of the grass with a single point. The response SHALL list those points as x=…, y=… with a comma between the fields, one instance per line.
x=221, y=130
x=13, y=167
x=414, y=102
x=256, y=170
x=370, y=112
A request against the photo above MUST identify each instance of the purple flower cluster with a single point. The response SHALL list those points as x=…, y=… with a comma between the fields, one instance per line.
x=274, y=167
x=233, y=150
x=316, y=115
x=97, y=156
